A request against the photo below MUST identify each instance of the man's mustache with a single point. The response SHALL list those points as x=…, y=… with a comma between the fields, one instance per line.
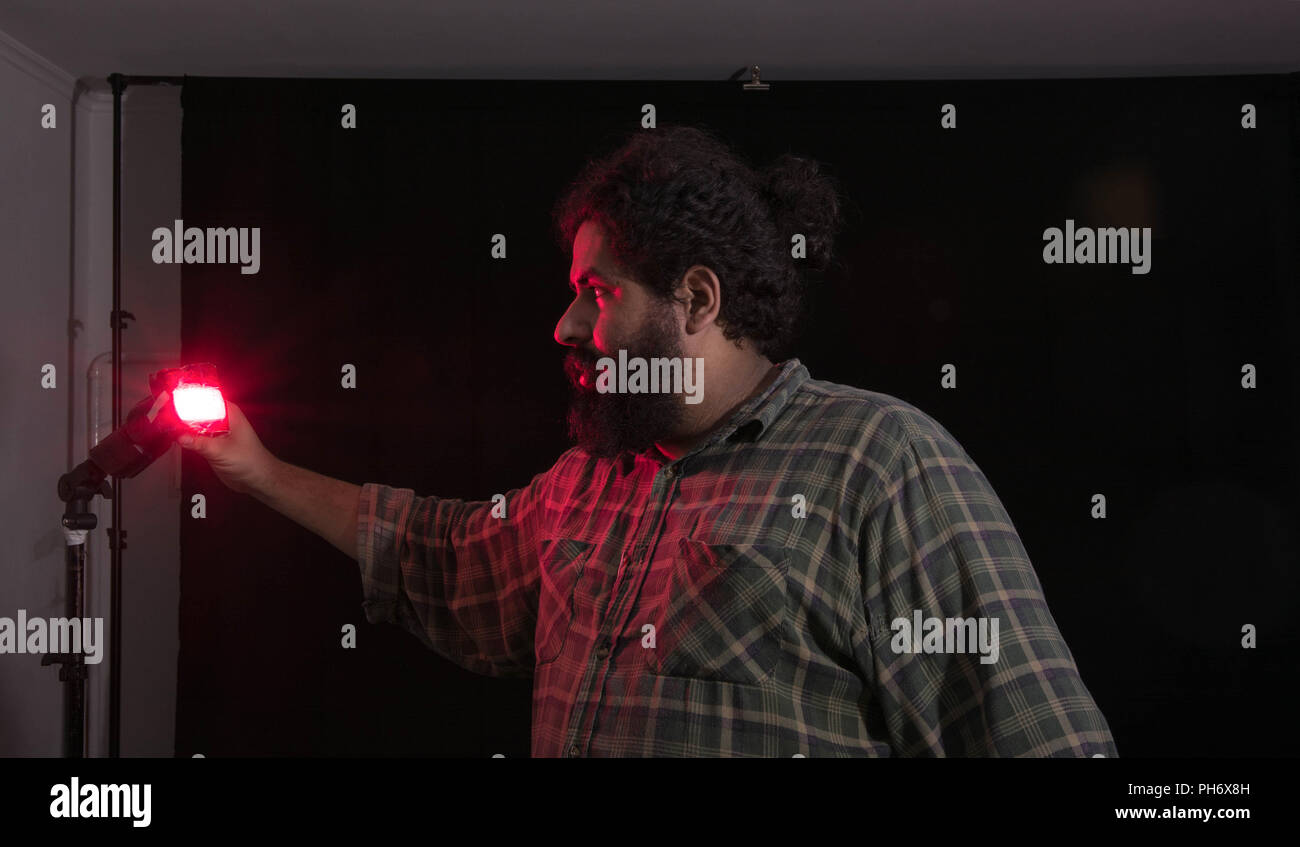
x=580, y=365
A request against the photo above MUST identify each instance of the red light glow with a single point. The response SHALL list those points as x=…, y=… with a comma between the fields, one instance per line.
x=198, y=403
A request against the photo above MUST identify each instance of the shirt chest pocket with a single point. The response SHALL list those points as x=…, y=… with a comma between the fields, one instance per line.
x=722, y=613
x=562, y=561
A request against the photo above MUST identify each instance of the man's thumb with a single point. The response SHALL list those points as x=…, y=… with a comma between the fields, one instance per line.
x=186, y=441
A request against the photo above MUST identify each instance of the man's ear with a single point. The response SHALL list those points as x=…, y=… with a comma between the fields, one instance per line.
x=701, y=293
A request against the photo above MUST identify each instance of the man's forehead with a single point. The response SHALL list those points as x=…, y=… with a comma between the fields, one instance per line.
x=589, y=237
x=589, y=258
x=588, y=243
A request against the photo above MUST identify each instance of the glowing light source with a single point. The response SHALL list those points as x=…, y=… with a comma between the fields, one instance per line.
x=199, y=403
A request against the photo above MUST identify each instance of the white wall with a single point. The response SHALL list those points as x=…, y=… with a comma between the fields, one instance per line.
x=56, y=264
x=34, y=278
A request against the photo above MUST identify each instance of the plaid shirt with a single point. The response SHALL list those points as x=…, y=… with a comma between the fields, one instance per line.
x=745, y=599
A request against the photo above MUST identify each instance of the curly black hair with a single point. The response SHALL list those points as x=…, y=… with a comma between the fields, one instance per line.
x=678, y=196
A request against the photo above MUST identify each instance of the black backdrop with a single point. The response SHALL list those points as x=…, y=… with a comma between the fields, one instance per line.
x=1072, y=379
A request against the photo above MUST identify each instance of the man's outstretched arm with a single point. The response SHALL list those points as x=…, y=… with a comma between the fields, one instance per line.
x=460, y=576
x=326, y=506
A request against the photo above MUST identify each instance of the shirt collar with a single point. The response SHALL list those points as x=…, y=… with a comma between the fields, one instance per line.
x=748, y=422
x=752, y=420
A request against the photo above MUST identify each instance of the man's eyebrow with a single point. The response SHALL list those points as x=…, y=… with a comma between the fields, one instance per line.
x=588, y=275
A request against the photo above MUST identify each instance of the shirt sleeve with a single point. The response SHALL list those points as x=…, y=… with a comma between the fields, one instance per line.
x=462, y=576
x=940, y=545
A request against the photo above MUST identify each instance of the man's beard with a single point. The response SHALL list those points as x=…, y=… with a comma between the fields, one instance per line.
x=606, y=425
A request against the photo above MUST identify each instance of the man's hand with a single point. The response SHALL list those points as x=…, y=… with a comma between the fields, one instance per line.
x=239, y=458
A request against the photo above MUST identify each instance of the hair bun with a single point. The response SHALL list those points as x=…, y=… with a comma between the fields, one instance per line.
x=806, y=201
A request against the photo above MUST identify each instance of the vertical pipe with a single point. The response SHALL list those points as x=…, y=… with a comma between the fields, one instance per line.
x=74, y=691
x=115, y=533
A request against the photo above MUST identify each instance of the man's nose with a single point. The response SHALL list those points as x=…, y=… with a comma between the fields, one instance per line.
x=574, y=327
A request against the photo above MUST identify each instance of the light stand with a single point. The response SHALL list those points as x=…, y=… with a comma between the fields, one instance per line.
x=182, y=400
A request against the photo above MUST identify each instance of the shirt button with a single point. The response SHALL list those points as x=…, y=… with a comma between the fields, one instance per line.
x=602, y=651
x=574, y=752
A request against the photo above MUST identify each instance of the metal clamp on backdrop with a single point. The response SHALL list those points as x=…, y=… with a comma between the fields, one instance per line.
x=754, y=84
